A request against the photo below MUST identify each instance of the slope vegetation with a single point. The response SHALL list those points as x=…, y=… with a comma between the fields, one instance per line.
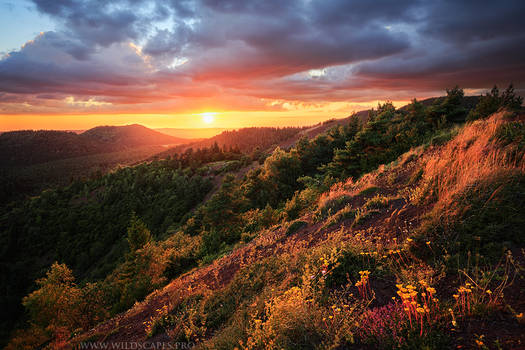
x=422, y=252
x=402, y=230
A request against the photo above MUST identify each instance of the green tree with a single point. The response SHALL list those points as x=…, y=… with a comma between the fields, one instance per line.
x=493, y=101
x=138, y=233
x=53, y=303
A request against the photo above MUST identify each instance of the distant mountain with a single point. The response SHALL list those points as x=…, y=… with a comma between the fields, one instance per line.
x=27, y=147
x=130, y=136
x=200, y=133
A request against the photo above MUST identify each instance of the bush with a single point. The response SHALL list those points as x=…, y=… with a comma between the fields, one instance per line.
x=344, y=214
x=377, y=202
x=483, y=220
x=347, y=266
x=331, y=206
x=493, y=101
x=368, y=191
x=295, y=226
x=300, y=201
x=247, y=283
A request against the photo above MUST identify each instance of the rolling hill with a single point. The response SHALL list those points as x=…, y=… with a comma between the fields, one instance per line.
x=28, y=147
x=245, y=140
x=403, y=229
x=358, y=254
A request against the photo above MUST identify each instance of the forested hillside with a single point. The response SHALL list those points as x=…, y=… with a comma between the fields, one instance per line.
x=31, y=161
x=84, y=224
x=404, y=230
x=30, y=147
x=246, y=140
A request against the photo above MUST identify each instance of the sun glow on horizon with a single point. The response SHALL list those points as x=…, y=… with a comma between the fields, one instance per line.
x=208, y=117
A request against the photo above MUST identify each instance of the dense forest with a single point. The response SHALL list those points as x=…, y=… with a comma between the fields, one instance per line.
x=246, y=140
x=31, y=161
x=118, y=237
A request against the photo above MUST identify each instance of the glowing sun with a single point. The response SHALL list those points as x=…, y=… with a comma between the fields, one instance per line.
x=208, y=117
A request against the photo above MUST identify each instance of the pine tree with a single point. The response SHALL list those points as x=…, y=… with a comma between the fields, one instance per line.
x=138, y=233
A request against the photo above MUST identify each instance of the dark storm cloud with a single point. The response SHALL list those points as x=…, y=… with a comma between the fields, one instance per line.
x=472, y=43
x=264, y=49
x=473, y=20
x=103, y=23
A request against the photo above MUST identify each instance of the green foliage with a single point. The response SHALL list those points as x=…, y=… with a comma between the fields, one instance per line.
x=277, y=179
x=377, y=202
x=85, y=224
x=368, y=191
x=138, y=233
x=258, y=219
x=486, y=220
x=331, y=206
x=60, y=305
x=246, y=284
x=451, y=109
x=443, y=136
x=347, y=269
x=295, y=226
x=344, y=214
x=493, y=101
x=299, y=202
x=363, y=214
x=386, y=135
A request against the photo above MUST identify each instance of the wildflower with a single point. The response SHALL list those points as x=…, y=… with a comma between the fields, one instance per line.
x=409, y=240
x=431, y=290
x=428, y=242
x=489, y=292
x=519, y=316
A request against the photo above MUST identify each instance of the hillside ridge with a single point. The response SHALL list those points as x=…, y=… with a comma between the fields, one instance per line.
x=392, y=222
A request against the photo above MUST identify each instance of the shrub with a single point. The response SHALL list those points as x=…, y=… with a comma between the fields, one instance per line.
x=369, y=190
x=289, y=322
x=247, y=283
x=138, y=233
x=258, y=219
x=363, y=214
x=344, y=214
x=347, y=266
x=331, y=206
x=299, y=202
x=377, y=202
x=295, y=226
x=493, y=101
x=484, y=219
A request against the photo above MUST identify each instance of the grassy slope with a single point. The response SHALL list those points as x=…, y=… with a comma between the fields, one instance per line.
x=381, y=223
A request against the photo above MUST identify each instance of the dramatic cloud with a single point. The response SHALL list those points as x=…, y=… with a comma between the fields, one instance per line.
x=155, y=55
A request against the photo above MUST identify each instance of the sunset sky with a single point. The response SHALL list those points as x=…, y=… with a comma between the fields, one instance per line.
x=75, y=64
